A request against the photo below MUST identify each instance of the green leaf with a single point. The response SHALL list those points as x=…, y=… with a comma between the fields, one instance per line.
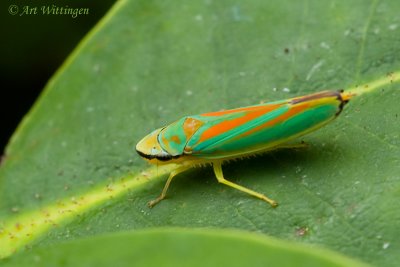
x=177, y=247
x=70, y=170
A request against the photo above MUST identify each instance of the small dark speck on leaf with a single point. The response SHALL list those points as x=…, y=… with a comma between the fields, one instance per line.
x=301, y=231
x=286, y=50
x=18, y=226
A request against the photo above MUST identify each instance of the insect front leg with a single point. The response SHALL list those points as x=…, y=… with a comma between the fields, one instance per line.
x=220, y=177
x=164, y=191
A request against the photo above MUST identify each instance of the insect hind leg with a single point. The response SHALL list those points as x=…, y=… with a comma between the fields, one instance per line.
x=220, y=177
x=300, y=145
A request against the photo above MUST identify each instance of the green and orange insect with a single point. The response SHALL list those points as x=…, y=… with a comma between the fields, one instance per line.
x=223, y=135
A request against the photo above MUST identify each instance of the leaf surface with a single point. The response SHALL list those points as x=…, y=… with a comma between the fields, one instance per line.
x=177, y=247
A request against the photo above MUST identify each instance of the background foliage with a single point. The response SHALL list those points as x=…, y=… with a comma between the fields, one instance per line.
x=33, y=46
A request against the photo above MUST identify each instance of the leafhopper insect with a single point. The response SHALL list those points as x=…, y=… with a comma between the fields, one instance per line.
x=219, y=136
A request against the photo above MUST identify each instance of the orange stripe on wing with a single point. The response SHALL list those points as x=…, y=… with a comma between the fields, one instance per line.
x=250, y=109
x=253, y=112
x=290, y=113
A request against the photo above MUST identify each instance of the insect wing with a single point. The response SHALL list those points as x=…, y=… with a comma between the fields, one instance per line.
x=221, y=128
x=258, y=128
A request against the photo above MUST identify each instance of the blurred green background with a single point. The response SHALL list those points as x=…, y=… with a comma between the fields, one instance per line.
x=32, y=48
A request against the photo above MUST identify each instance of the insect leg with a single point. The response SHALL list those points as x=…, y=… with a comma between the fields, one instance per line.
x=220, y=177
x=293, y=146
x=164, y=191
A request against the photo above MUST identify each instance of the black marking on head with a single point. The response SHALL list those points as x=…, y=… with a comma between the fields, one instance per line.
x=165, y=157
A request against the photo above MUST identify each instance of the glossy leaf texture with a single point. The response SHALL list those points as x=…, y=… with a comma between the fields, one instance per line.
x=177, y=247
